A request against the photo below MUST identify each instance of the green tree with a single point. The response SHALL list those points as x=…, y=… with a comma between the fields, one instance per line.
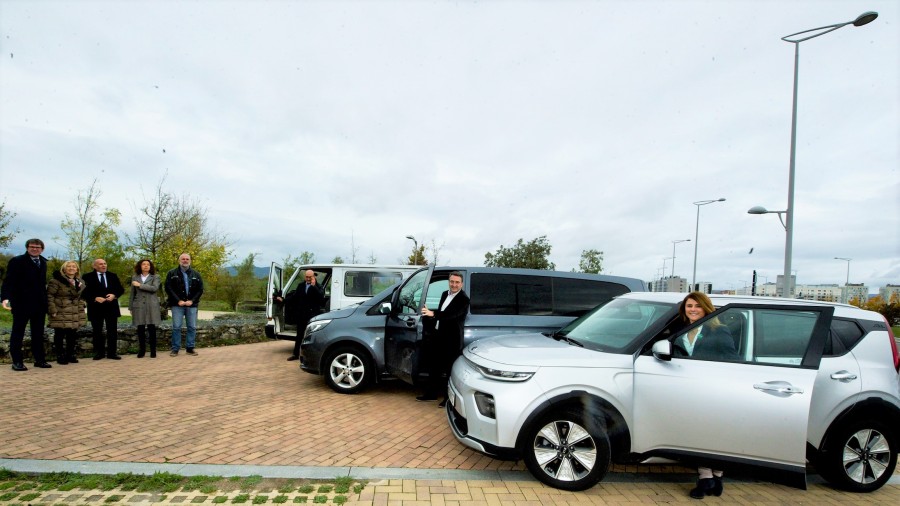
x=6, y=233
x=89, y=231
x=417, y=257
x=337, y=260
x=291, y=264
x=591, y=261
x=241, y=285
x=531, y=255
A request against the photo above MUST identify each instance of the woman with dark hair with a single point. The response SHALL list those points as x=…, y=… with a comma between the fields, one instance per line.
x=144, y=305
x=708, y=341
x=65, y=308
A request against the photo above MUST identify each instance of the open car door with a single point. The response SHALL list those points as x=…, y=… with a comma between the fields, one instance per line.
x=274, y=308
x=403, y=327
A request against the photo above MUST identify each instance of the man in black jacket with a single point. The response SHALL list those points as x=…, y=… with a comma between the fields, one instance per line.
x=303, y=303
x=24, y=292
x=445, y=343
x=102, y=290
x=184, y=287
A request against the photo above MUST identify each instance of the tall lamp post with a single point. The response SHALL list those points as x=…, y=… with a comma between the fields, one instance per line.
x=846, y=294
x=415, y=249
x=673, y=252
x=863, y=19
x=697, y=236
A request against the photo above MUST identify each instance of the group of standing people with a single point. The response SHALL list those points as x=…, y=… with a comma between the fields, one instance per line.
x=62, y=302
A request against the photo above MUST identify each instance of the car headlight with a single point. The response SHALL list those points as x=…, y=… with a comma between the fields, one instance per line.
x=315, y=326
x=501, y=375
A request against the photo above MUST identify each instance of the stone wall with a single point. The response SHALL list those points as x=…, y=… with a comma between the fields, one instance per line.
x=220, y=331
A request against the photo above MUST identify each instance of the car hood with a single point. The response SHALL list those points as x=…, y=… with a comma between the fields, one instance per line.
x=538, y=350
x=337, y=313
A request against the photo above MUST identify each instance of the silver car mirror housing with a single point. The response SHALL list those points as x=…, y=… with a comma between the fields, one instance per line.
x=662, y=350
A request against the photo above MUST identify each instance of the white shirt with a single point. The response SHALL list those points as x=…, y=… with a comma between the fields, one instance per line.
x=688, y=345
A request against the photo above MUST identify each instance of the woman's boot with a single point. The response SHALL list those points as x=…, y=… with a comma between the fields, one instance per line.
x=58, y=346
x=70, y=346
x=704, y=488
x=152, y=341
x=142, y=341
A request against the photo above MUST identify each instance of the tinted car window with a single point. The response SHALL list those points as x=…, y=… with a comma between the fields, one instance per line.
x=844, y=336
x=513, y=294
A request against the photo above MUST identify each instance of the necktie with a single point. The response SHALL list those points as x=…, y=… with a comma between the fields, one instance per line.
x=307, y=289
x=37, y=261
x=103, y=279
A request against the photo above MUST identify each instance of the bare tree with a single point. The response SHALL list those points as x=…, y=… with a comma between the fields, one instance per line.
x=6, y=233
x=90, y=228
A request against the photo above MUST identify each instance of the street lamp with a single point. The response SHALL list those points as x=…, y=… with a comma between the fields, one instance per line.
x=415, y=249
x=673, y=252
x=846, y=294
x=863, y=19
x=697, y=236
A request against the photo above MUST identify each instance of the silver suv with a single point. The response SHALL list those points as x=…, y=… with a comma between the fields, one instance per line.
x=812, y=382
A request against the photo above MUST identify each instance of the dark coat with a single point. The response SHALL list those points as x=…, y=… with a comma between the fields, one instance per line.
x=25, y=285
x=64, y=303
x=715, y=343
x=175, y=289
x=144, y=301
x=93, y=288
x=449, y=322
x=302, y=304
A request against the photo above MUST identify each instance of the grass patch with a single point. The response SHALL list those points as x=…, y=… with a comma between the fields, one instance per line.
x=320, y=499
x=260, y=499
x=29, y=497
x=199, y=499
x=114, y=498
x=324, y=489
x=199, y=482
x=7, y=485
x=241, y=498
x=340, y=499
x=25, y=486
x=300, y=499
x=161, y=482
x=9, y=496
x=220, y=499
x=287, y=488
x=279, y=499
x=209, y=489
x=306, y=489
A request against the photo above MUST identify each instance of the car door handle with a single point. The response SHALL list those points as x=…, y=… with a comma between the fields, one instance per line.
x=844, y=376
x=779, y=388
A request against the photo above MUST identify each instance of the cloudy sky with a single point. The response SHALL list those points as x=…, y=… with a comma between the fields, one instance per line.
x=323, y=125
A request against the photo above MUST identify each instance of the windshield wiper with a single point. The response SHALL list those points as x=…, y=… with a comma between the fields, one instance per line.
x=559, y=336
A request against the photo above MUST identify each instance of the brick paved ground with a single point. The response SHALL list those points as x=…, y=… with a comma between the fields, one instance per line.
x=248, y=405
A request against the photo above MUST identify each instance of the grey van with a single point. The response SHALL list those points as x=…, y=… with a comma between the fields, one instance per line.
x=355, y=346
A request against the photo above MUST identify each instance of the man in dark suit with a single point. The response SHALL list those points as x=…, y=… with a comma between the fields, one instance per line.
x=101, y=291
x=445, y=343
x=304, y=302
x=24, y=292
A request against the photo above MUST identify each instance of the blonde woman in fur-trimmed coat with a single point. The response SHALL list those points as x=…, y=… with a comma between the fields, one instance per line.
x=65, y=308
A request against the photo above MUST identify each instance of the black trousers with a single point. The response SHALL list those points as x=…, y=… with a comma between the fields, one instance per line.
x=105, y=347
x=64, y=343
x=17, y=336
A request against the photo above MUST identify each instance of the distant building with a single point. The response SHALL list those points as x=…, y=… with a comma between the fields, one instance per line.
x=890, y=293
x=669, y=284
x=857, y=291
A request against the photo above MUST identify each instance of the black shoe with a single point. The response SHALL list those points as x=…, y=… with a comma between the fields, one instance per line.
x=62, y=361
x=73, y=360
x=293, y=357
x=114, y=357
x=98, y=357
x=140, y=355
x=704, y=488
x=191, y=352
x=717, y=486
x=152, y=354
x=19, y=367
x=42, y=365
x=426, y=398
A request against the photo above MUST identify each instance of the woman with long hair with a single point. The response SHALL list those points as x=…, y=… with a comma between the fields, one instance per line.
x=65, y=308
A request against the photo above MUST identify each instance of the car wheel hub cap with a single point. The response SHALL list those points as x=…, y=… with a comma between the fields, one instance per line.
x=565, y=450
x=866, y=456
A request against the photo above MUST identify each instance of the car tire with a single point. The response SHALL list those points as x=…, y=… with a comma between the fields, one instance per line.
x=347, y=370
x=567, y=450
x=859, y=456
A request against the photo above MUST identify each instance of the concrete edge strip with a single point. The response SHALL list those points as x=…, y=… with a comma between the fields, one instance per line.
x=329, y=473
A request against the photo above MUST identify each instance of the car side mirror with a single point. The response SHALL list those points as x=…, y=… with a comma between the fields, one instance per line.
x=662, y=350
x=385, y=308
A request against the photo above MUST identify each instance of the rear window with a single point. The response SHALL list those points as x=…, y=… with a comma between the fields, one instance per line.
x=368, y=283
x=516, y=294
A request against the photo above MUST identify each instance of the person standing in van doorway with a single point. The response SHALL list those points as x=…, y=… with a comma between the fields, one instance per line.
x=306, y=301
x=184, y=287
x=101, y=291
x=445, y=343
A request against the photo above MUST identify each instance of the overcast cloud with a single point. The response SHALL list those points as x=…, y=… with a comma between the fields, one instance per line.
x=308, y=125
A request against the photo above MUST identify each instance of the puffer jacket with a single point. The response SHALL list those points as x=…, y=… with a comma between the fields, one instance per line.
x=64, y=303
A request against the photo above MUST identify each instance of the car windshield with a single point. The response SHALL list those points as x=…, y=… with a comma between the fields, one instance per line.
x=615, y=326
